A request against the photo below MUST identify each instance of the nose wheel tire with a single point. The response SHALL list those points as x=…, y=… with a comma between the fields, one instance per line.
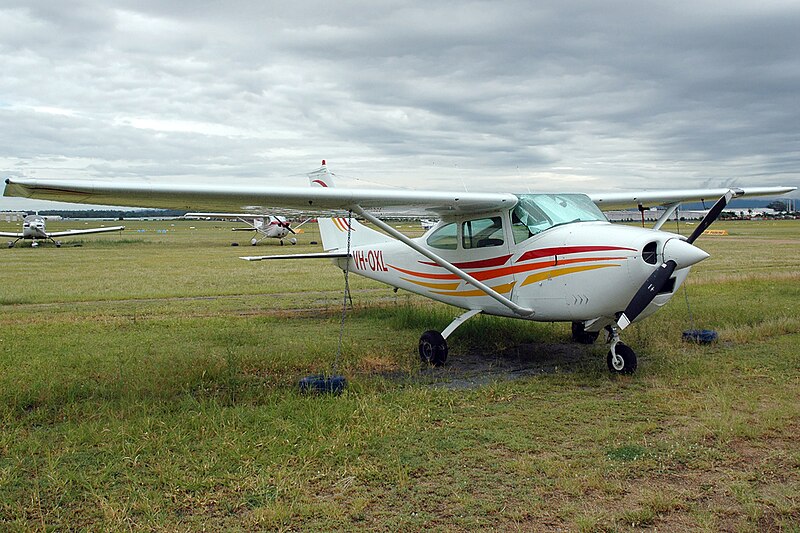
x=432, y=348
x=625, y=360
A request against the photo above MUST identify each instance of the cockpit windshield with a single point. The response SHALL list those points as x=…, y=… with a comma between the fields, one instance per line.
x=535, y=213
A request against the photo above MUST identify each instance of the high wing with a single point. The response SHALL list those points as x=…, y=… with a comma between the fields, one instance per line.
x=246, y=216
x=619, y=200
x=10, y=235
x=260, y=199
x=72, y=232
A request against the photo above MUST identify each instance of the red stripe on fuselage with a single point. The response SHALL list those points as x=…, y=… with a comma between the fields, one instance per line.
x=483, y=263
x=505, y=271
x=564, y=250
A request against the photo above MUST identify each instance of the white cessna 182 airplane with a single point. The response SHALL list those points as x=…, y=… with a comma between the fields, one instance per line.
x=266, y=226
x=542, y=257
x=34, y=228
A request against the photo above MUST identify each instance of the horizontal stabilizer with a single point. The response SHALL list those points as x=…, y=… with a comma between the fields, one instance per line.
x=320, y=255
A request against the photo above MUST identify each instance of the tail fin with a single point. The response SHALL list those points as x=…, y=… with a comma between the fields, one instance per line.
x=334, y=230
x=321, y=177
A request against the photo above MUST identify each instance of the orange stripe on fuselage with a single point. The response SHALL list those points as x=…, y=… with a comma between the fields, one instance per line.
x=439, y=286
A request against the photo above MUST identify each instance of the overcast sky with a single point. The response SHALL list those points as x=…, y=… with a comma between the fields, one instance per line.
x=513, y=96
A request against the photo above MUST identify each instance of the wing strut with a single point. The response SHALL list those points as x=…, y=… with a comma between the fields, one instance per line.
x=670, y=208
x=521, y=311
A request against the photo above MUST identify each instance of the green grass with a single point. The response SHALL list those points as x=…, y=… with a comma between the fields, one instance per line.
x=148, y=382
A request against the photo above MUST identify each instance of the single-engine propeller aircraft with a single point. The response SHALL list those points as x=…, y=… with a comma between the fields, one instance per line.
x=543, y=257
x=34, y=228
x=264, y=226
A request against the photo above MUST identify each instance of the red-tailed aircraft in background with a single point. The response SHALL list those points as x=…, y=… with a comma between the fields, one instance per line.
x=264, y=226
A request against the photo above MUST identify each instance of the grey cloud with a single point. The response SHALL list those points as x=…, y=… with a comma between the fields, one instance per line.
x=611, y=95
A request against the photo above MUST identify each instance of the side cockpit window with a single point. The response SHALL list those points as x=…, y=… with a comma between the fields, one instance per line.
x=482, y=233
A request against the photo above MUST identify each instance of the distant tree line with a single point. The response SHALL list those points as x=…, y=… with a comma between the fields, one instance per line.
x=115, y=213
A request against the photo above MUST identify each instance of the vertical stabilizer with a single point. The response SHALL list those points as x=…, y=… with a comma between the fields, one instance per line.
x=334, y=230
x=321, y=177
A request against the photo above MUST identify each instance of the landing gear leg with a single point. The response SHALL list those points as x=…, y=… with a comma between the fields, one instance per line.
x=621, y=358
x=433, y=345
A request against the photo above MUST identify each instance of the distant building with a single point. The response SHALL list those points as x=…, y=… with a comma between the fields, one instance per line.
x=12, y=216
x=754, y=212
x=653, y=214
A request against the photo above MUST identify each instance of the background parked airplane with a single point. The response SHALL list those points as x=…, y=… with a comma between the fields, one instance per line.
x=34, y=229
x=264, y=226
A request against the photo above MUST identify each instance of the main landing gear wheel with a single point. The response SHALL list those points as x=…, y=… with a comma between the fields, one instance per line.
x=625, y=360
x=582, y=336
x=432, y=348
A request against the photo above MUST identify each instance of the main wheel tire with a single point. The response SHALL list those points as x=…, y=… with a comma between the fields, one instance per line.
x=582, y=336
x=432, y=348
x=628, y=360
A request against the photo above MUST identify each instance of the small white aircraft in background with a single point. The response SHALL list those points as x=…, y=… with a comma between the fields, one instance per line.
x=540, y=257
x=34, y=229
x=264, y=226
x=427, y=223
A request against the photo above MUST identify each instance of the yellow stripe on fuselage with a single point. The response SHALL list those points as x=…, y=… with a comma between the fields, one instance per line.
x=541, y=276
x=502, y=289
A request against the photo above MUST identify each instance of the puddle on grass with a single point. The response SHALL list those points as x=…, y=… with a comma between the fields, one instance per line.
x=474, y=369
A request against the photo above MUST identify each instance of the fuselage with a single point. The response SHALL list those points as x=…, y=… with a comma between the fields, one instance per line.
x=34, y=227
x=565, y=271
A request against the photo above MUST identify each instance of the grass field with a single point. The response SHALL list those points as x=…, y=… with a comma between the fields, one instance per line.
x=148, y=381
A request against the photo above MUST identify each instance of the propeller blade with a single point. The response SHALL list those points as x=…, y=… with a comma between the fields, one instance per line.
x=646, y=293
x=285, y=224
x=712, y=215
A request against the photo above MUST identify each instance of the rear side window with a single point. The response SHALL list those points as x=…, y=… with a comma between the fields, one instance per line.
x=444, y=238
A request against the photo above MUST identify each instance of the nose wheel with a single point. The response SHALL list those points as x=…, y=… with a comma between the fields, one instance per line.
x=621, y=358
